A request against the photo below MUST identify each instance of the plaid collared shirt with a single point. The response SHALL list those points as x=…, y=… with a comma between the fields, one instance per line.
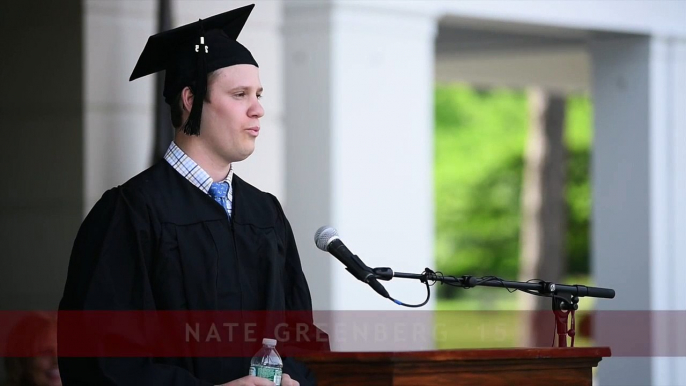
x=191, y=171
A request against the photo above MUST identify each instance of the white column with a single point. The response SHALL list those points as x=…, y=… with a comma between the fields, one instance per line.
x=118, y=128
x=359, y=117
x=668, y=204
x=638, y=183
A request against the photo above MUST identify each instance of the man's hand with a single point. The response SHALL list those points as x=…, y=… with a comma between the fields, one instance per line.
x=250, y=380
x=286, y=380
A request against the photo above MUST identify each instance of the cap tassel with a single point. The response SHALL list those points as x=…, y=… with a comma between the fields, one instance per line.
x=192, y=126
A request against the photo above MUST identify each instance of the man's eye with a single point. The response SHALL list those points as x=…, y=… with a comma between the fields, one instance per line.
x=259, y=96
x=240, y=94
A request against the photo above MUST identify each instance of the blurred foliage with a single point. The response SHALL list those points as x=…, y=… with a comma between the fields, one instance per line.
x=578, y=138
x=480, y=138
x=460, y=325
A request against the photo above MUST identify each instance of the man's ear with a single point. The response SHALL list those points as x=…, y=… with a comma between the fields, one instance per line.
x=187, y=99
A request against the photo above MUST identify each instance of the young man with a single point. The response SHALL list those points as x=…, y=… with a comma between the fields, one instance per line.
x=189, y=234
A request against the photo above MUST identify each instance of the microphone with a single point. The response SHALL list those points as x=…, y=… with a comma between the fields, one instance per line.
x=326, y=238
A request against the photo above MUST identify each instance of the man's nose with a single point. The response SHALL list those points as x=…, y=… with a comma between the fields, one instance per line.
x=256, y=110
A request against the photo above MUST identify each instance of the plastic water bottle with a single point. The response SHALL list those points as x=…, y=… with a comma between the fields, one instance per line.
x=267, y=362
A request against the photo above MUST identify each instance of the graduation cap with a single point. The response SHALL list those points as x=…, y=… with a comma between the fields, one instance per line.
x=188, y=53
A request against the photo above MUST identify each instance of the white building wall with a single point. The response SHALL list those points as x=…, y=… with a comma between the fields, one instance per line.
x=308, y=84
x=668, y=204
x=382, y=148
x=639, y=205
x=663, y=17
x=621, y=233
x=361, y=153
x=364, y=134
x=562, y=70
x=118, y=128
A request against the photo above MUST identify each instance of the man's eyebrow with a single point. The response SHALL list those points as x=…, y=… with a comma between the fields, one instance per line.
x=261, y=89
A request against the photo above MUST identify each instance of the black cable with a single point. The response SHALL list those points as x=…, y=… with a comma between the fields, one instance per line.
x=428, y=295
x=425, y=280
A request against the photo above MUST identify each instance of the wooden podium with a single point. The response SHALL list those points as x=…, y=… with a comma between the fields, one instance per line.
x=524, y=366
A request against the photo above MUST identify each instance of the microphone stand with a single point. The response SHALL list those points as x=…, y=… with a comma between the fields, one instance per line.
x=565, y=298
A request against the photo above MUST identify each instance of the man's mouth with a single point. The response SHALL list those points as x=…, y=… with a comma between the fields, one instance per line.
x=254, y=131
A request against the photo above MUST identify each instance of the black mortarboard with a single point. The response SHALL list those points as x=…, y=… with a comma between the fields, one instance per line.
x=188, y=53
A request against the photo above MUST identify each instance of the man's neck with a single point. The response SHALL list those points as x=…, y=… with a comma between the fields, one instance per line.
x=216, y=167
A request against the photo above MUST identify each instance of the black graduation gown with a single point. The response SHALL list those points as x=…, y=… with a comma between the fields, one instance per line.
x=159, y=243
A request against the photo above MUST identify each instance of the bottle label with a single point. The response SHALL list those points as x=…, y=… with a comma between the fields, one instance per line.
x=271, y=373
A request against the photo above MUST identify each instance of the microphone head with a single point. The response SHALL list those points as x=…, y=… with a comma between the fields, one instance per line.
x=324, y=236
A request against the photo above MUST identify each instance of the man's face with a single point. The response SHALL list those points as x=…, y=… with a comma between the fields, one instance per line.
x=231, y=119
x=43, y=370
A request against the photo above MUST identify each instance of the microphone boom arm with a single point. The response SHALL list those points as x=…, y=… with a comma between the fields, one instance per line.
x=466, y=281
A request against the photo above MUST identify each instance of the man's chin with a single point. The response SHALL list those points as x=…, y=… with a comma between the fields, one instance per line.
x=243, y=155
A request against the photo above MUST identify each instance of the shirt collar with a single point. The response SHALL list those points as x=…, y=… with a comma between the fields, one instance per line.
x=190, y=170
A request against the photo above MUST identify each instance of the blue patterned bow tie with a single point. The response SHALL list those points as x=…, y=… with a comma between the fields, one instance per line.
x=218, y=191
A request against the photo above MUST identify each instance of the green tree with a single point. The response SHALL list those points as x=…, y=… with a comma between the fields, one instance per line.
x=479, y=147
x=578, y=138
